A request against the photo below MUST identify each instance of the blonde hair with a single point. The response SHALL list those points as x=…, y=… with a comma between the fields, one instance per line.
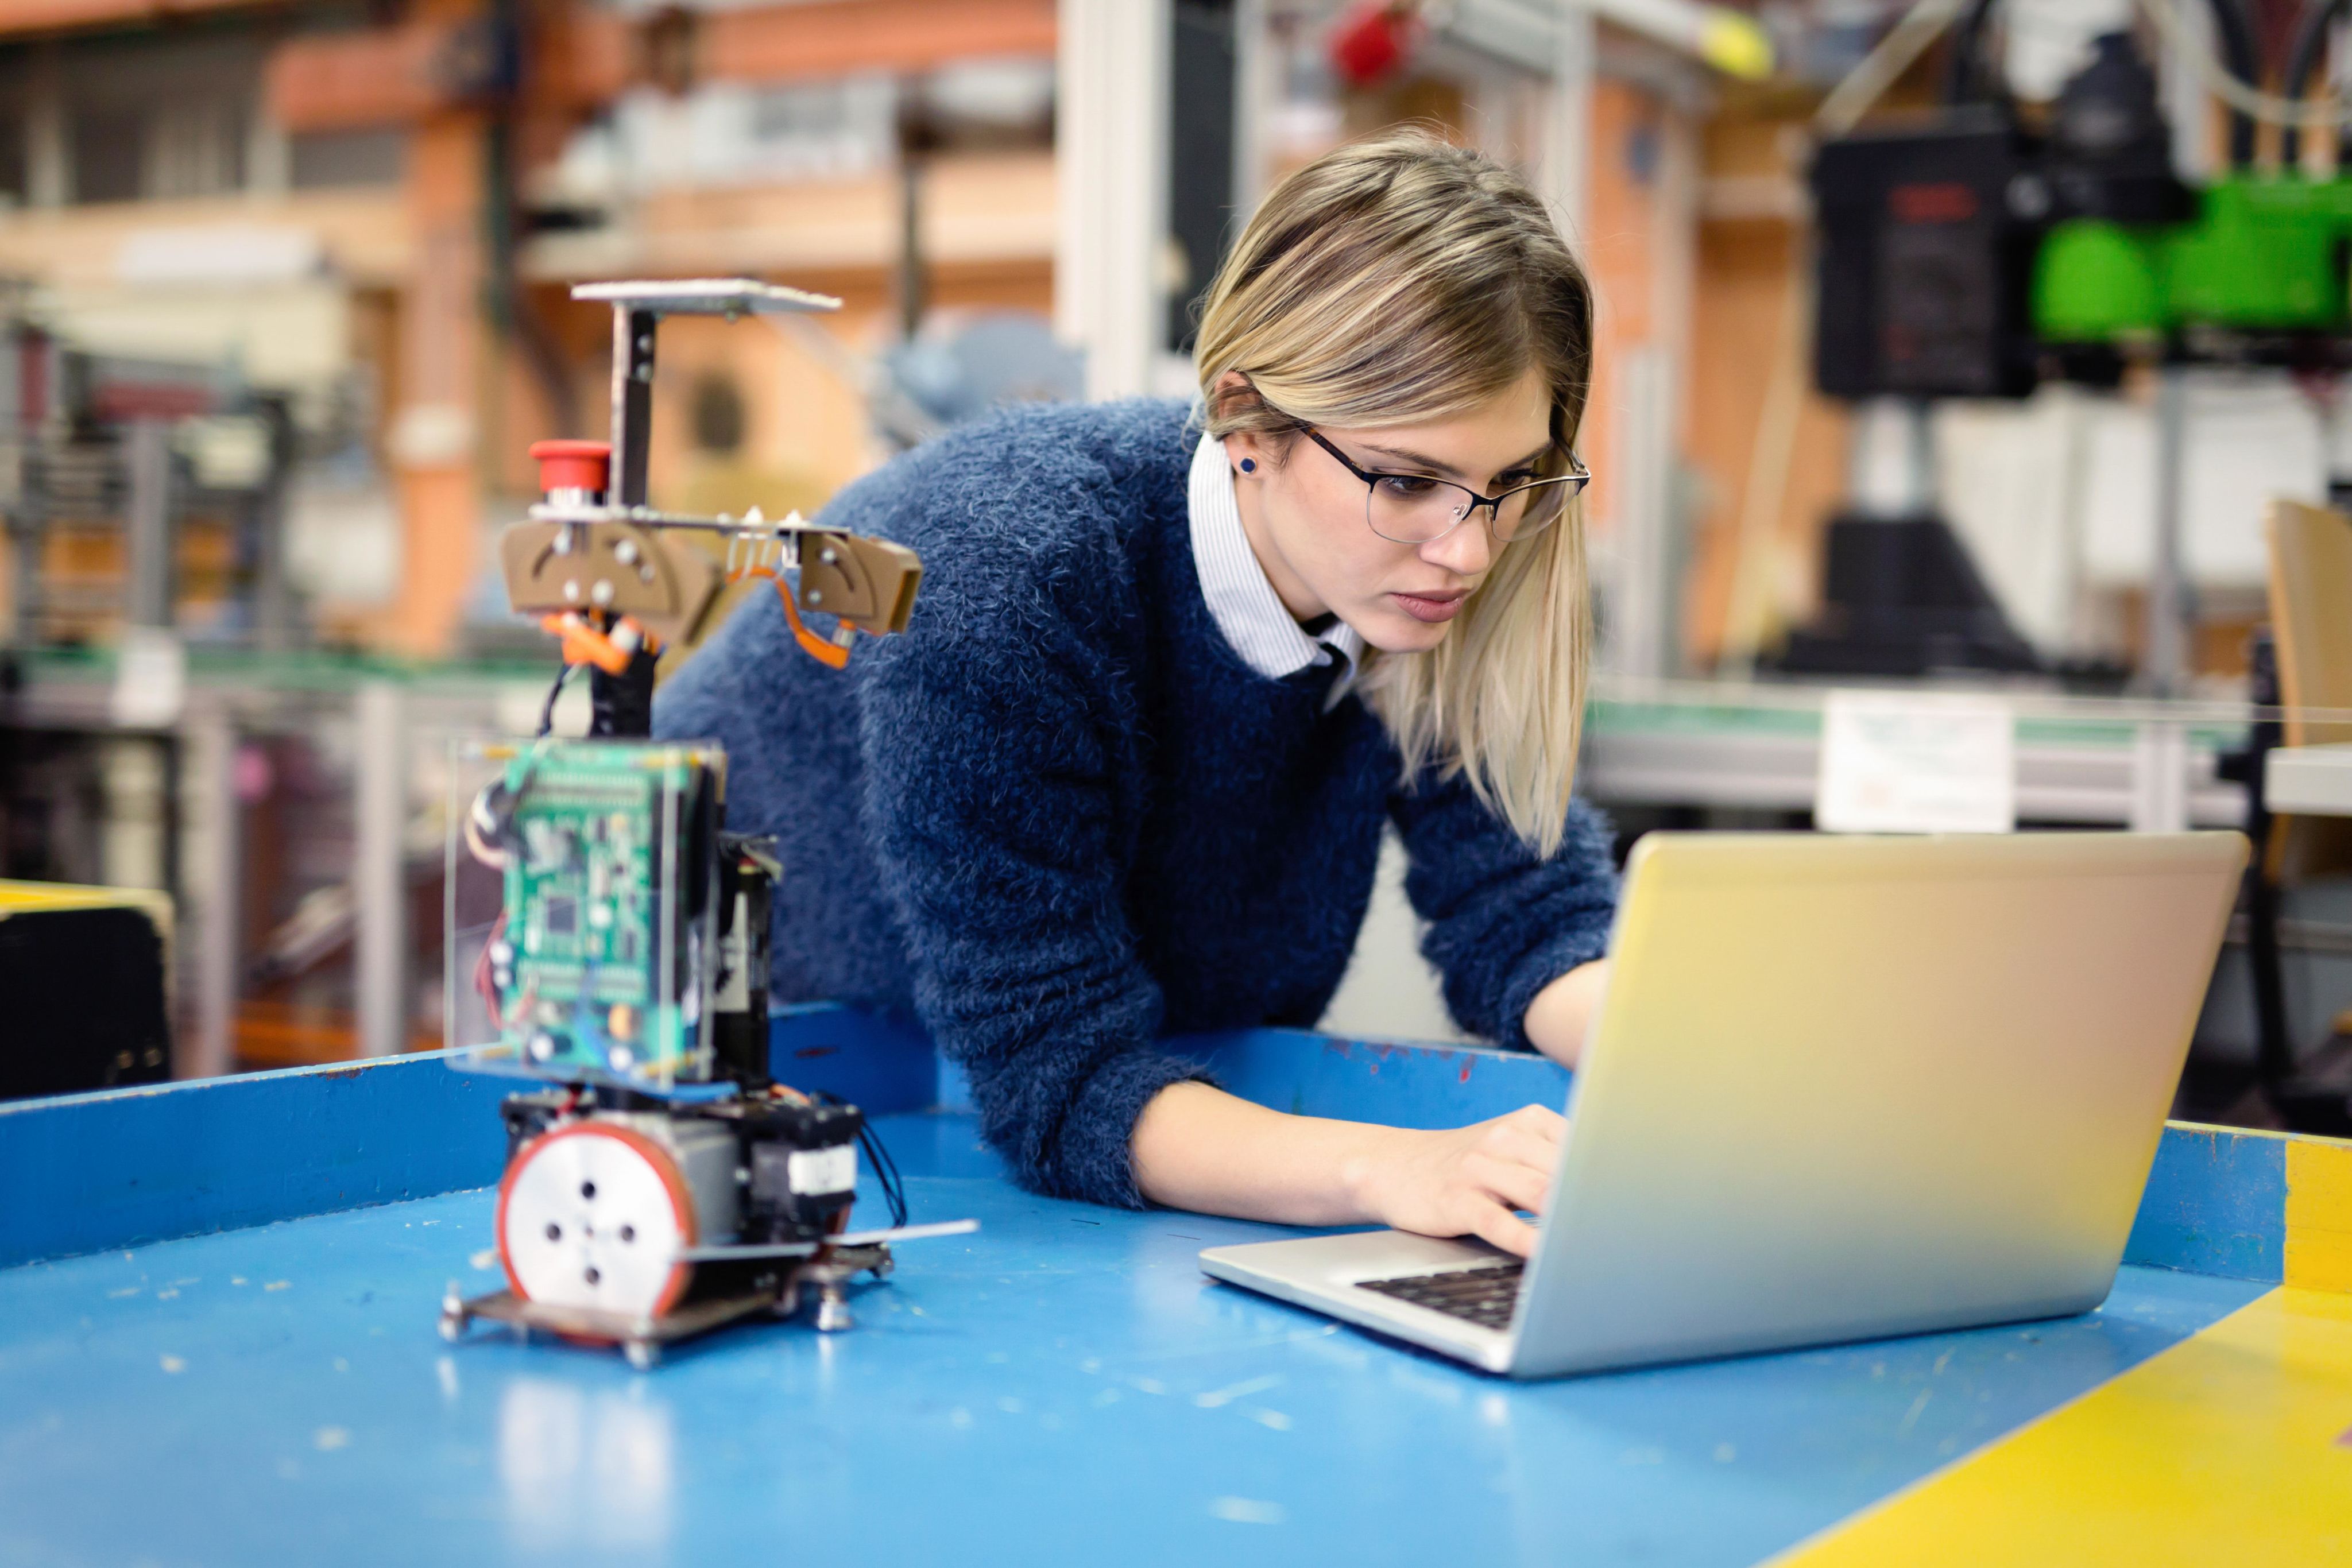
x=1403, y=279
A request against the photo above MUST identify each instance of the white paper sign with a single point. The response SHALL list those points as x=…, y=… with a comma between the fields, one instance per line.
x=1914, y=762
x=150, y=679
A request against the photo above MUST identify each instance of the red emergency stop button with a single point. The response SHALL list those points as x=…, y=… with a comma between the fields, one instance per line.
x=573, y=466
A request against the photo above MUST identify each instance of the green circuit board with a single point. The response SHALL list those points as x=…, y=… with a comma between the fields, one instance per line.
x=597, y=965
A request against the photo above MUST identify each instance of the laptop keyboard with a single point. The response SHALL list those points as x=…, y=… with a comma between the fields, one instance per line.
x=1484, y=1295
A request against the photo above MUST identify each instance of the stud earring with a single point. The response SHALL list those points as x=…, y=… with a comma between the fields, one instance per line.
x=1249, y=465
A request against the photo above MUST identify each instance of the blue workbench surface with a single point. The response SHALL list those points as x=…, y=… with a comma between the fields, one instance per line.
x=1065, y=1386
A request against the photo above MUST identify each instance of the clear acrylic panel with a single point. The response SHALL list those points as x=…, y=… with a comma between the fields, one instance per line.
x=590, y=960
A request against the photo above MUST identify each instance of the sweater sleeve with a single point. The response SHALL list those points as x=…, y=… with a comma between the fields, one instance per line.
x=1502, y=925
x=999, y=771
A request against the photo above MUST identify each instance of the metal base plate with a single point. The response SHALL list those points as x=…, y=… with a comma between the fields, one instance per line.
x=641, y=1339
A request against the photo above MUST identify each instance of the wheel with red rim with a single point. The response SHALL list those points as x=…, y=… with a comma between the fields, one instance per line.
x=593, y=1214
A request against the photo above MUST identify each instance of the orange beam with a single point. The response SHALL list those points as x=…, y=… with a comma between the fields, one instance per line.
x=386, y=77
x=349, y=81
x=442, y=352
x=441, y=355
x=836, y=38
x=586, y=57
x=19, y=17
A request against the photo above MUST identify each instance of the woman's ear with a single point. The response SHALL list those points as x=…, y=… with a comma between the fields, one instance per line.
x=1232, y=394
x=1248, y=452
x=1245, y=451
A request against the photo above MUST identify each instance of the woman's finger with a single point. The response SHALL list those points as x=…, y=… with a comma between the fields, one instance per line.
x=1541, y=1119
x=1520, y=1185
x=1515, y=1145
x=1505, y=1229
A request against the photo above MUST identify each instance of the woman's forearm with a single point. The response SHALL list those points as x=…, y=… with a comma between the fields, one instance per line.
x=1562, y=1013
x=1201, y=1148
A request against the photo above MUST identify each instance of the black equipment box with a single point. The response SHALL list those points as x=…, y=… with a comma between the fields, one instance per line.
x=81, y=989
x=1924, y=268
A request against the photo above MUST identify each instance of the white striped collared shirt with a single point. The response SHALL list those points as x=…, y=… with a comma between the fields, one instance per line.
x=1241, y=599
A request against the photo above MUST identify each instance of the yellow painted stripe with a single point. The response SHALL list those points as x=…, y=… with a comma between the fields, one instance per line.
x=2319, y=1213
x=45, y=895
x=2227, y=1448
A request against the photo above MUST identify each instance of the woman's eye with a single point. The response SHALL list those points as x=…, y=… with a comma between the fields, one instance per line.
x=1515, y=478
x=1406, y=486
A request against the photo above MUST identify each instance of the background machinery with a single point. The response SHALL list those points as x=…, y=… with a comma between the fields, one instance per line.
x=1987, y=249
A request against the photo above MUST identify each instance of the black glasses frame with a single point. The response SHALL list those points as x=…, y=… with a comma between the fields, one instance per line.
x=1576, y=478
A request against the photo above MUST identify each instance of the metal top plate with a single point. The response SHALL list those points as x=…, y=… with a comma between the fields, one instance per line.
x=707, y=297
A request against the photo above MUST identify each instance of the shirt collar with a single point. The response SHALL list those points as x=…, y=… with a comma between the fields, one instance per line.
x=1241, y=599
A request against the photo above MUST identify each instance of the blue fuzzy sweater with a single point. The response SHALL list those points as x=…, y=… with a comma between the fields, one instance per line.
x=1060, y=818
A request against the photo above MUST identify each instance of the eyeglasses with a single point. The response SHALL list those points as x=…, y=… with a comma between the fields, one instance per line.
x=1415, y=509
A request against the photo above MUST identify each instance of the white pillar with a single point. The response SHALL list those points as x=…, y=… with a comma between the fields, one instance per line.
x=380, y=871
x=1256, y=92
x=2159, y=798
x=212, y=871
x=269, y=157
x=1110, y=157
x=2187, y=104
x=48, y=163
x=2165, y=656
x=1645, y=579
x=1568, y=132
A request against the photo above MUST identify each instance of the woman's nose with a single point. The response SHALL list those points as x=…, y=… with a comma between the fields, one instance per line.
x=1466, y=551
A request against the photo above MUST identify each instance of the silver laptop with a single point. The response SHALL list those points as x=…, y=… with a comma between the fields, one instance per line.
x=1839, y=1087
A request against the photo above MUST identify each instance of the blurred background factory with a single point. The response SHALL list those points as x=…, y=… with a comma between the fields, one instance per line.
x=1889, y=392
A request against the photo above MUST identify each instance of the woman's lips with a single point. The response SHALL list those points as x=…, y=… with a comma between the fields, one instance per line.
x=1431, y=607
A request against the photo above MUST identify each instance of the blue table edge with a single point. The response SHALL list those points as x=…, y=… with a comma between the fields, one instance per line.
x=126, y=1167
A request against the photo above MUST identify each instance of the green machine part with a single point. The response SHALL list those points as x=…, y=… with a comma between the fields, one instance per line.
x=2263, y=254
x=608, y=891
x=2099, y=282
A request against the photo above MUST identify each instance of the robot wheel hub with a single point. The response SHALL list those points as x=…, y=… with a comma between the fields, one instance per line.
x=593, y=1214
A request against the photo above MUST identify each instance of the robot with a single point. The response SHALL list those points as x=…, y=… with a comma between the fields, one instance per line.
x=658, y=1184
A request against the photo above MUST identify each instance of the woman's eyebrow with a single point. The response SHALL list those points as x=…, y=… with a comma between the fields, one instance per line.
x=1419, y=460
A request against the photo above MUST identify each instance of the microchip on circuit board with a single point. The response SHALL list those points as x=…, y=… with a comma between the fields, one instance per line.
x=598, y=968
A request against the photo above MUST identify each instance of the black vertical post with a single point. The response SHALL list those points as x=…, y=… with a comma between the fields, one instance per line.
x=2275, y=1048
x=1204, y=60
x=273, y=605
x=918, y=138
x=633, y=402
x=622, y=706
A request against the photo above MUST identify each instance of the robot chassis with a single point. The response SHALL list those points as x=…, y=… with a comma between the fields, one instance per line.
x=658, y=1185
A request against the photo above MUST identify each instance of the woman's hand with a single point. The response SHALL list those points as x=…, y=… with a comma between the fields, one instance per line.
x=1468, y=1181
x=1562, y=1015
x=1200, y=1149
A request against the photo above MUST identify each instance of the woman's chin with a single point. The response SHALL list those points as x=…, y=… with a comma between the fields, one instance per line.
x=1392, y=630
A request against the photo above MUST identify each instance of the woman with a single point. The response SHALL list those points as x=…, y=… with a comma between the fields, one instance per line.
x=1125, y=775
